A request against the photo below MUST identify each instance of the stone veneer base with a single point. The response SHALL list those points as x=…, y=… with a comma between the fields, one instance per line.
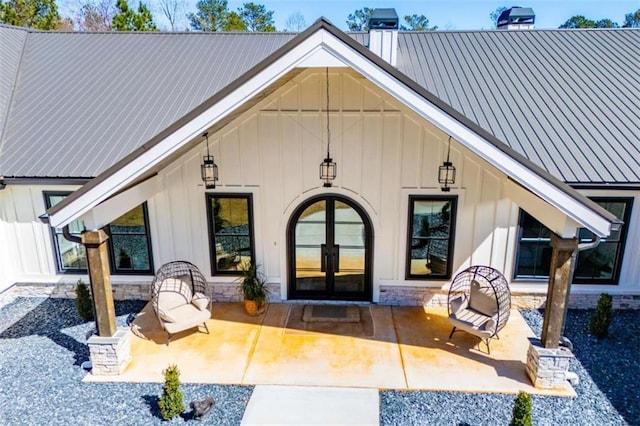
x=389, y=295
x=547, y=368
x=110, y=355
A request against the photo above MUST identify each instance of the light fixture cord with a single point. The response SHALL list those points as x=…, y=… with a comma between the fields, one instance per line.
x=328, y=127
x=449, y=149
x=206, y=135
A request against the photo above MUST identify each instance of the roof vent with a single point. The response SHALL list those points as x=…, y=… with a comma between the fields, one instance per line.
x=517, y=18
x=383, y=34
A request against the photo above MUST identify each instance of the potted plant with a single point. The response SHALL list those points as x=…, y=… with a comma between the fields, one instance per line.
x=254, y=289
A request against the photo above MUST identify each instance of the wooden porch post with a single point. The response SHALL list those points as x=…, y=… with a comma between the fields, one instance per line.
x=98, y=264
x=560, y=276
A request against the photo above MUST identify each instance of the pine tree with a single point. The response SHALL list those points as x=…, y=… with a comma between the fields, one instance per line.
x=171, y=402
x=38, y=14
x=128, y=20
x=84, y=304
x=522, y=410
x=601, y=318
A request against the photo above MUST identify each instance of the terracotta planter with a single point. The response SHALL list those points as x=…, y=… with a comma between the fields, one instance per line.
x=252, y=307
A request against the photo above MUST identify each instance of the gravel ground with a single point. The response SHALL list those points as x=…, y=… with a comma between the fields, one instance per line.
x=604, y=369
x=42, y=344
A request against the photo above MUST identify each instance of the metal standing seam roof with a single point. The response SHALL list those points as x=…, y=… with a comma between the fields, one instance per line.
x=565, y=99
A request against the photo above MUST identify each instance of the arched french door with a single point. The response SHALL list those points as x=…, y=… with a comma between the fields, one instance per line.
x=329, y=246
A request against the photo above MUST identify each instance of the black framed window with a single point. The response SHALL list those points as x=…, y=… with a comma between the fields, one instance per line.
x=600, y=265
x=70, y=257
x=230, y=223
x=129, y=243
x=534, y=252
x=431, y=231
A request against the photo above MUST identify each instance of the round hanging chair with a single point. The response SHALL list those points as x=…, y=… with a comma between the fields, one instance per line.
x=178, y=297
x=479, y=302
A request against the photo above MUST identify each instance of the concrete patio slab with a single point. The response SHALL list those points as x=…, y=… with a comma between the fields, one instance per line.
x=218, y=357
x=323, y=359
x=300, y=405
x=408, y=349
x=433, y=362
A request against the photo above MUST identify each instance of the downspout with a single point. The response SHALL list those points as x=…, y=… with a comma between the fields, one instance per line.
x=67, y=235
x=564, y=341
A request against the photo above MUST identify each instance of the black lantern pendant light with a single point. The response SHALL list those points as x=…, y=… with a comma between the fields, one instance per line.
x=447, y=172
x=328, y=167
x=209, y=169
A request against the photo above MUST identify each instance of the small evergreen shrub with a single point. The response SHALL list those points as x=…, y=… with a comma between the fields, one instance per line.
x=601, y=318
x=522, y=410
x=84, y=305
x=171, y=402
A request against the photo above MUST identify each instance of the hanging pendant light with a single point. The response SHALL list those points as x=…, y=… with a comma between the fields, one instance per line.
x=328, y=168
x=208, y=169
x=447, y=172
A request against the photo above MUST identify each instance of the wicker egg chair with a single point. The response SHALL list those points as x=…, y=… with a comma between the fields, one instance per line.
x=479, y=303
x=178, y=297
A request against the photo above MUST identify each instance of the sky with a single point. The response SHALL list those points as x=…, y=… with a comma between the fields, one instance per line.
x=446, y=14
x=451, y=14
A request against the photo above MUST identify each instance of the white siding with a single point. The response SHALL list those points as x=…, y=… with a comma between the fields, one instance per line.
x=384, y=154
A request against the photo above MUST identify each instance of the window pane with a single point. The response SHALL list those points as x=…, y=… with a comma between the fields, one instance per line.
x=232, y=234
x=600, y=264
x=131, y=222
x=129, y=242
x=72, y=255
x=534, y=259
x=131, y=252
x=430, y=237
x=597, y=263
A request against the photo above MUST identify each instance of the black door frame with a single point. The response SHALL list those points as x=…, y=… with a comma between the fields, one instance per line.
x=329, y=294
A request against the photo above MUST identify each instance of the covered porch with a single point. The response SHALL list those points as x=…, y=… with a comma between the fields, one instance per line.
x=392, y=347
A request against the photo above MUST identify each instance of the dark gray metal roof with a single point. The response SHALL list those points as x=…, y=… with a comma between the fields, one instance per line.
x=567, y=100
x=11, y=46
x=85, y=100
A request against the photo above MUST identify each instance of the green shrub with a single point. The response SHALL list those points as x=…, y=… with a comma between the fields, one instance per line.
x=171, y=402
x=522, y=410
x=601, y=318
x=84, y=304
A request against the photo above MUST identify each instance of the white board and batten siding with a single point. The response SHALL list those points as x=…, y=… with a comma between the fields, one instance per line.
x=384, y=153
x=27, y=254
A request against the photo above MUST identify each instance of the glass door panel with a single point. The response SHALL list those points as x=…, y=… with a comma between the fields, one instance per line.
x=310, y=239
x=330, y=244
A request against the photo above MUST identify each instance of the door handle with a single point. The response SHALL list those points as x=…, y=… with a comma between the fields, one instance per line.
x=323, y=257
x=335, y=254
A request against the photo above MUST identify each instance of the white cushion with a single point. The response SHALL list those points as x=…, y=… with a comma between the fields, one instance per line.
x=473, y=322
x=186, y=316
x=200, y=301
x=483, y=299
x=174, y=292
x=165, y=317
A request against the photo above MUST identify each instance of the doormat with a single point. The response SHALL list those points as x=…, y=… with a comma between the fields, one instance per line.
x=330, y=313
x=325, y=321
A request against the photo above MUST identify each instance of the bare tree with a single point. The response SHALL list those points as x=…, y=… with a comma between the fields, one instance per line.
x=95, y=15
x=295, y=23
x=173, y=10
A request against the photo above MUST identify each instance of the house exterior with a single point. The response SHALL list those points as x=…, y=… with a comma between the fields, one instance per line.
x=107, y=131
